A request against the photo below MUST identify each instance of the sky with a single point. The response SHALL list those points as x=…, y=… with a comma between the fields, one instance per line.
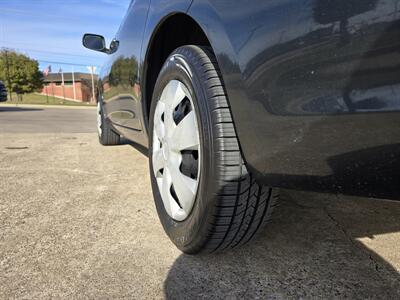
x=50, y=31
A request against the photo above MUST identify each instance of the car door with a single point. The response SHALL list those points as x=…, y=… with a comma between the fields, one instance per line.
x=121, y=89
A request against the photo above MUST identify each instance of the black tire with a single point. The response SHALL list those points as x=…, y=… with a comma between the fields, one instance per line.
x=107, y=137
x=230, y=207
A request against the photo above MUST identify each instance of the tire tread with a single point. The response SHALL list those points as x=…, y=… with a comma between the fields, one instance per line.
x=243, y=206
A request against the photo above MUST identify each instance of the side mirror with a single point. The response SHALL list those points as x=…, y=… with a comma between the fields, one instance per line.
x=94, y=42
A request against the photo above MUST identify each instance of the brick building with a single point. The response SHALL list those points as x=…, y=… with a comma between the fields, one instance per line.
x=83, y=86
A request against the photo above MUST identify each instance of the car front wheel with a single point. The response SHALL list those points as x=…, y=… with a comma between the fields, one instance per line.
x=205, y=196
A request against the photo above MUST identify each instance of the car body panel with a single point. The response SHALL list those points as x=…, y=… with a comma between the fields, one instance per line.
x=314, y=90
x=121, y=77
x=313, y=85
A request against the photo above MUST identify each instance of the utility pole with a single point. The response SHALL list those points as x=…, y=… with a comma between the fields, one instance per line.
x=47, y=95
x=62, y=83
x=52, y=91
x=8, y=74
x=63, y=87
x=73, y=82
x=92, y=69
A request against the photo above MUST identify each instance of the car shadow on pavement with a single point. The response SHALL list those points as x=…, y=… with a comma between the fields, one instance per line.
x=309, y=250
x=16, y=108
x=143, y=150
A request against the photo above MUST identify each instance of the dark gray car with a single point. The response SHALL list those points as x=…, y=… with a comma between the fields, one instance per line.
x=235, y=99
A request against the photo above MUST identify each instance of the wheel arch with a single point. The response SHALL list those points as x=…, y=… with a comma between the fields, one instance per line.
x=184, y=30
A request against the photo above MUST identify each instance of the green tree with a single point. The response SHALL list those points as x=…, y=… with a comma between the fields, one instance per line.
x=20, y=73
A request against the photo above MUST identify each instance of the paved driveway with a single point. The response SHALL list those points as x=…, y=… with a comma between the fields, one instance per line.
x=77, y=220
x=46, y=119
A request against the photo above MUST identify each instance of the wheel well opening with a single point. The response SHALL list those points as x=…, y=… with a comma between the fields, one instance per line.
x=176, y=31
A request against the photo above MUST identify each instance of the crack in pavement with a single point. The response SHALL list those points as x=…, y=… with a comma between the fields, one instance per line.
x=376, y=264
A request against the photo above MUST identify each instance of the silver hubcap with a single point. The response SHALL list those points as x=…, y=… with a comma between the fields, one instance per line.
x=176, y=150
x=99, y=129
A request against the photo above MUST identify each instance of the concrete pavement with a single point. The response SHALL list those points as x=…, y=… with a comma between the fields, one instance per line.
x=77, y=220
x=46, y=118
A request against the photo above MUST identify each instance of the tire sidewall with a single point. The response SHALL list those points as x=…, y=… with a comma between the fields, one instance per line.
x=191, y=234
x=108, y=135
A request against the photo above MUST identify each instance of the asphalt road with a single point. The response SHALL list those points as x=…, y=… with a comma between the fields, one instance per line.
x=77, y=220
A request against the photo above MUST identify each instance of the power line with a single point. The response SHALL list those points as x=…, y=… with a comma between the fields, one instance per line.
x=65, y=63
x=52, y=48
x=54, y=53
x=53, y=61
